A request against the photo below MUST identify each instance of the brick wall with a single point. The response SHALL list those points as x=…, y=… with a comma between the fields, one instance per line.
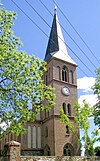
x=11, y=152
x=60, y=158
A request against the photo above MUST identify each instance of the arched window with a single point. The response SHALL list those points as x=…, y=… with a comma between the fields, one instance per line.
x=46, y=78
x=29, y=136
x=68, y=150
x=67, y=130
x=39, y=137
x=64, y=108
x=47, y=151
x=71, y=77
x=34, y=137
x=64, y=74
x=58, y=73
x=69, y=109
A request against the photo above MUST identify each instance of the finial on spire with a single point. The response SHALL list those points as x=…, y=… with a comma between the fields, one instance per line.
x=55, y=7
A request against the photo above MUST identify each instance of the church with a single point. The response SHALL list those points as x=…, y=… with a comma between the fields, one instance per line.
x=48, y=136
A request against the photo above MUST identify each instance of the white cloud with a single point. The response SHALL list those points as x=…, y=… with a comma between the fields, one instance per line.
x=85, y=83
x=91, y=99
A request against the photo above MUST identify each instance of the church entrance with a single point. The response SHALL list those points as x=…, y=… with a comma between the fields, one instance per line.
x=68, y=150
x=47, y=151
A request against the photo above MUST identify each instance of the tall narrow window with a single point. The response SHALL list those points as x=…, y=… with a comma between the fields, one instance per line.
x=64, y=108
x=65, y=74
x=34, y=137
x=47, y=151
x=29, y=136
x=46, y=78
x=39, y=137
x=71, y=77
x=69, y=109
x=58, y=73
x=67, y=130
x=69, y=152
x=49, y=74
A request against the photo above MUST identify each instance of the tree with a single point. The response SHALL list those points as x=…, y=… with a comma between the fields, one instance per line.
x=96, y=89
x=83, y=113
x=97, y=151
x=22, y=90
x=89, y=150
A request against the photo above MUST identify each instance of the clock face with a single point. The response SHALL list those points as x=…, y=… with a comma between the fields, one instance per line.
x=65, y=91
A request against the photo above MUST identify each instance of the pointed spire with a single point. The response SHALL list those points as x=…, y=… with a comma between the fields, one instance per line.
x=55, y=9
x=56, y=46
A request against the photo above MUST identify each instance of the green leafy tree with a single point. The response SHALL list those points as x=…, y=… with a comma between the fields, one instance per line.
x=65, y=119
x=22, y=90
x=97, y=151
x=89, y=150
x=83, y=113
x=96, y=89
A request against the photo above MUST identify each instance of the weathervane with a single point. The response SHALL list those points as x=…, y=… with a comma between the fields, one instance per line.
x=55, y=7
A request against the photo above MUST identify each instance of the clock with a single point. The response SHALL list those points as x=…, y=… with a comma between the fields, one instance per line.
x=65, y=91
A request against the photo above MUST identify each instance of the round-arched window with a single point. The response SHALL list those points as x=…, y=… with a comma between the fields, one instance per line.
x=65, y=74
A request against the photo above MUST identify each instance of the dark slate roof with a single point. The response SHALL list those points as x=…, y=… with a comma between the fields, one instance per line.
x=53, y=40
x=56, y=46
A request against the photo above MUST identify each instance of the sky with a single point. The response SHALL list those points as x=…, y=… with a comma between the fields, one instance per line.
x=84, y=17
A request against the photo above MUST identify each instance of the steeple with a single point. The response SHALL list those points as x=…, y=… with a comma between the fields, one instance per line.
x=56, y=46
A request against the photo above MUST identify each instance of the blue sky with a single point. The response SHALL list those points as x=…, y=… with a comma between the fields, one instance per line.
x=83, y=15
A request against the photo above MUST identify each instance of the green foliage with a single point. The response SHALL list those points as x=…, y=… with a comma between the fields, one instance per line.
x=83, y=113
x=22, y=90
x=64, y=119
x=89, y=150
x=96, y=89
x=97, y=151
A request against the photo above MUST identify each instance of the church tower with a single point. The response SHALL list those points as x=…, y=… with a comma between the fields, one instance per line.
x=48, y=135
x=61, y=75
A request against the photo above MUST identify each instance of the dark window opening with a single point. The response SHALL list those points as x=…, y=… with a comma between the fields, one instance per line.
x=64, y=108
x=71, y=77
x=67, y=130
x=59, y=75
x=65, y=154
x=49, y=152
x=68, y=150
x=69, y=109
x=65, y=74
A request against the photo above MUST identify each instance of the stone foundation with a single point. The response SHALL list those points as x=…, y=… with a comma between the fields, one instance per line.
x=12, y=151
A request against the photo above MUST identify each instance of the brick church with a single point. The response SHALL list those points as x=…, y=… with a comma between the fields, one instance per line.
x=47, y=135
